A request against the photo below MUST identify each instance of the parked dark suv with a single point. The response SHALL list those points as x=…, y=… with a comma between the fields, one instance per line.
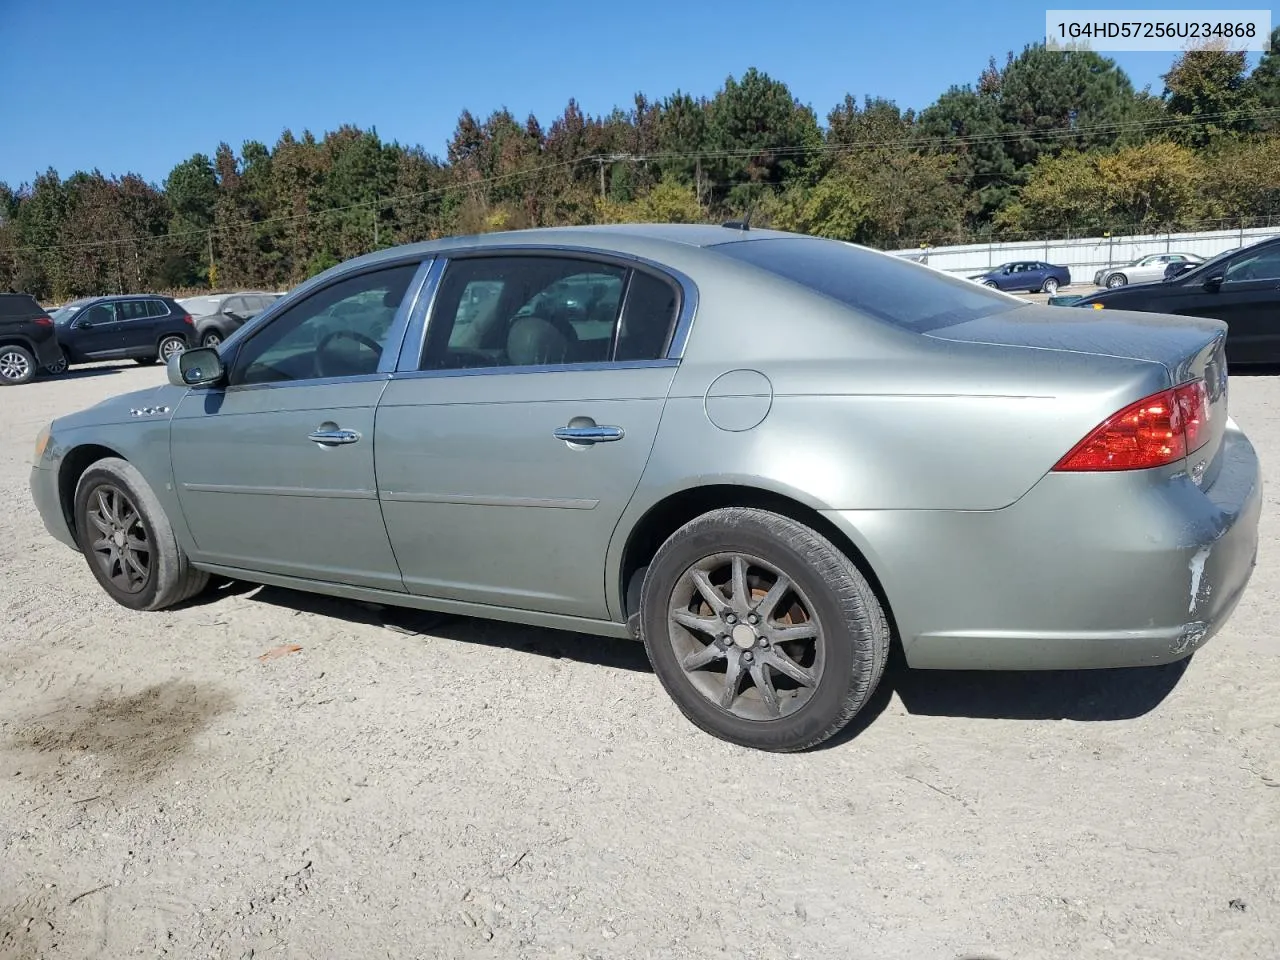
x=140, y=327
x=27, y=340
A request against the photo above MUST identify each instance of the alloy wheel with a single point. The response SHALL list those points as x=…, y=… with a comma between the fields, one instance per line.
x=746, y=636
x=122, y=546
x=14, y=366
x=171, y=347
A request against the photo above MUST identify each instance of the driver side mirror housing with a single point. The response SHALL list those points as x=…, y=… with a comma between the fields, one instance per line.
x=200, y=367
x=1214, y=282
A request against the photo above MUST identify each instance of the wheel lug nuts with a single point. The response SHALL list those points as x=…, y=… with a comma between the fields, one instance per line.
x=753, y=619
x=730, y=618
x=764, y=642
x=748, y=656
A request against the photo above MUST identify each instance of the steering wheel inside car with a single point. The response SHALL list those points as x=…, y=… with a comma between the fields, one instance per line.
x=350, y=335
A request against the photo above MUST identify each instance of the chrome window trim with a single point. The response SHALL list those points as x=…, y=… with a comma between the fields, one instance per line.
x=593, y=367
x=400, y=322
x=416, y=328
x=416, y=341
x=288, y=384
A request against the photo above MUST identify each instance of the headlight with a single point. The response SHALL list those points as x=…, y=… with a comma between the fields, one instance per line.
x=42, y=442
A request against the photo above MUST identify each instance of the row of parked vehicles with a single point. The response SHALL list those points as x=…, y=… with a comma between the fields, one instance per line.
x=1036, y=276
x=145, y=328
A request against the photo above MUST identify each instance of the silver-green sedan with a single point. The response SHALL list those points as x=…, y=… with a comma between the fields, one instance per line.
x=768, y=456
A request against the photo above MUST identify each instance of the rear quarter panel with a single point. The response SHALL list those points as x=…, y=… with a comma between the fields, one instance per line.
x=857, y=415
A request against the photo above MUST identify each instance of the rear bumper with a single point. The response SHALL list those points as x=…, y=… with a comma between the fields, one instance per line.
x=1085, y=571
x=47, y=351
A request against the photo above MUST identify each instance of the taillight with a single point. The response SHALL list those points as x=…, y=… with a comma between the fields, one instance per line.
x=42, y=322
x=1153, y=432
x=186, y=318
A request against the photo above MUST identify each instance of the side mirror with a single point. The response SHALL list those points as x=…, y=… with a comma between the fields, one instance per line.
x=200, y=367
x=1214, y=282
x=82, y=324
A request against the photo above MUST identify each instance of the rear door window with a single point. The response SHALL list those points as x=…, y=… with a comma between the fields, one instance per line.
x=893, y=290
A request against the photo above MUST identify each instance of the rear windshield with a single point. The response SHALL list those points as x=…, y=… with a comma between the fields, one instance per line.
x=889, y=288
x=19, y=305
x=201, y=306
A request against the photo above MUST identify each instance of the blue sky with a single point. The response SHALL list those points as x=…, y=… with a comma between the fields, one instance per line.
x=139, y=85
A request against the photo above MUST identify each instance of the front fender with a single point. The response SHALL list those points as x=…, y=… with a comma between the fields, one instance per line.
x=143, y=441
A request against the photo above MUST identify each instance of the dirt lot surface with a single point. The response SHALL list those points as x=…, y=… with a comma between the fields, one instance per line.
x=416, y=788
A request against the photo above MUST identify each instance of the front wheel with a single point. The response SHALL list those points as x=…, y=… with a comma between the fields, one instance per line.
x=991, y=283
x=1117, y=280
x=761, y=630
x=126, y=538
x=58, y=367
x=1051, y=286
x=17, y=365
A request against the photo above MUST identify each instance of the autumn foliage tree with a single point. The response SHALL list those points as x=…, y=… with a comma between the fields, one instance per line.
x=1049, y=143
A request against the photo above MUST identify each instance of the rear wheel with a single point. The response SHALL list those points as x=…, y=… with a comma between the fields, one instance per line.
x=127, y=540
x=761, y=630
x=211, y=339
x=171, y=346
x=17, y=365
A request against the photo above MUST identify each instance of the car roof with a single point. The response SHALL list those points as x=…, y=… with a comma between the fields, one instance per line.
x=623, y=237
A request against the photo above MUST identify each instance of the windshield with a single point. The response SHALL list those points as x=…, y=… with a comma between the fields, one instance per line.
x=891, y=289
x=1191, y=275
x=201, y=306
x=62, y=316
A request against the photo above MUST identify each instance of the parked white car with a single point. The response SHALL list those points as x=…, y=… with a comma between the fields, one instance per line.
x=1143, y=270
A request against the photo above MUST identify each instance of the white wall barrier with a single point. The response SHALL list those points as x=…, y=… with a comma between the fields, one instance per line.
x=1083, y=256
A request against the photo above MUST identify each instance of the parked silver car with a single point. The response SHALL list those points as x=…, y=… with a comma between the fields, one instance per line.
x=1143, y=270
x=768, y=456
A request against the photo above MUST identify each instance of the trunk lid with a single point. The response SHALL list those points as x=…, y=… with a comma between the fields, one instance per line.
x=1189, y=348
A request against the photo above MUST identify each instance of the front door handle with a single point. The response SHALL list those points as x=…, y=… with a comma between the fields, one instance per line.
x=330, y=437
x=590, y=434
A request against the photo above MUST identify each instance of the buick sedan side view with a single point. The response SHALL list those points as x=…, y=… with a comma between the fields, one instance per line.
x=767, y=456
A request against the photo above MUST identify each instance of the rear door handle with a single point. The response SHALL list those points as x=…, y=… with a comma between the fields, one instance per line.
x=331, y=438
x=588, y=435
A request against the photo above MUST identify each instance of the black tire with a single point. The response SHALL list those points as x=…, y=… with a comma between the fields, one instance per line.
x=991, y=283
x=1050, y=286
x=58, y=367
x=211, y=339
x=1116, y=280
x=854, y=630
x=17, y=365
x=170, y=579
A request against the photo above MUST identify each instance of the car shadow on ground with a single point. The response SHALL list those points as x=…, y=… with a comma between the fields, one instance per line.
x=1083, y=695
x=80, y=373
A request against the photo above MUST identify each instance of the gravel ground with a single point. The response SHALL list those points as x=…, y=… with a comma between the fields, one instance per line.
x=418, y=787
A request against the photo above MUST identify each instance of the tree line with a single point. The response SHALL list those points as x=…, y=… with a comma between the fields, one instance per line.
x=1048, y=144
